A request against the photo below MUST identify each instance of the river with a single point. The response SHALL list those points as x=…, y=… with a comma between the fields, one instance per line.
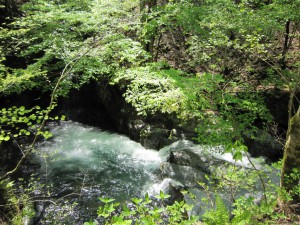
x=81, y=163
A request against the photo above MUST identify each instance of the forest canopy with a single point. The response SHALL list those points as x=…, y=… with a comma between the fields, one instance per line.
x=215, y=63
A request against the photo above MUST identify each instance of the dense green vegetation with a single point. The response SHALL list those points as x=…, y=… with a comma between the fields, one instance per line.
x=212, y=62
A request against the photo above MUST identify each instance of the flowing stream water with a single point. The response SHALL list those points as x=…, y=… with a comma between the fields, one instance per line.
x=81, y=163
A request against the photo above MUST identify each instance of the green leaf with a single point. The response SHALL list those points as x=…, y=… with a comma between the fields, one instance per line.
x=162, y=195
x=111, y=208
x=137, y=201
x=147, y=199
x=106, y=200
x=238, y=156
x=6, y=138
x=9, y=184
x=47, y=134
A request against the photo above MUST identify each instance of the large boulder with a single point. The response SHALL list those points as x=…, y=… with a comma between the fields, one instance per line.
x=186, y=175
x=156, y=137
x=190, y=165
x=189, y=157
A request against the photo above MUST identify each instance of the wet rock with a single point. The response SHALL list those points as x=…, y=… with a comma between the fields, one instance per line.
x=39, y=209
x=154, y=137
x=264, y=145
x=186, y=157
x=173, y=188
x=135, y=127
x=203, y=201
x=185, y=175
x=188, y=164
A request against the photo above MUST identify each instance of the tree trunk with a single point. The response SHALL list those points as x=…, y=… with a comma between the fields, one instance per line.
x=291, y=158
x=286, y=44
x=145, y=7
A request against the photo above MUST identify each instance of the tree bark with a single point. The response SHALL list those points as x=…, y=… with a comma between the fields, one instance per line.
x=286, y=44
x=291, y=158
x=145, y=7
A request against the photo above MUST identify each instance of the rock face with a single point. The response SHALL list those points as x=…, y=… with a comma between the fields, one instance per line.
x=188, y=157
x=155, y=137
x=181, y=172
x=101, y=104
x=86, y=106
x=9, y=153
x=187, y=164
x=265, y=146
x=186, y=175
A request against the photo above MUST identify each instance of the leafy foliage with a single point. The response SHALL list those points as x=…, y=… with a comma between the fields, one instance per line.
x=230, y=110
x=142, y=211
x=150, y=90
x=52, y=34
x=17, y=207
x=18, y=121
x=234, y=51
x=241, y=200
x=234, y=193
x=221, y=214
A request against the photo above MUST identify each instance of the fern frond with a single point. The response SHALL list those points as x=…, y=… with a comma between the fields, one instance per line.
x=222, y=213
x=218, y=216
x=242, y=219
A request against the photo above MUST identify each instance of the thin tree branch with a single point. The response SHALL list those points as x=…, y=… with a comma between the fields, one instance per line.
x=66, y=71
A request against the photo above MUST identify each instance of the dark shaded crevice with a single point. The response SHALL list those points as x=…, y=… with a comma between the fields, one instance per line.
x=85, y=106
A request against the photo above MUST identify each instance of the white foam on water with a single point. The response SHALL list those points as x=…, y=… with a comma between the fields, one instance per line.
x=112, y=159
